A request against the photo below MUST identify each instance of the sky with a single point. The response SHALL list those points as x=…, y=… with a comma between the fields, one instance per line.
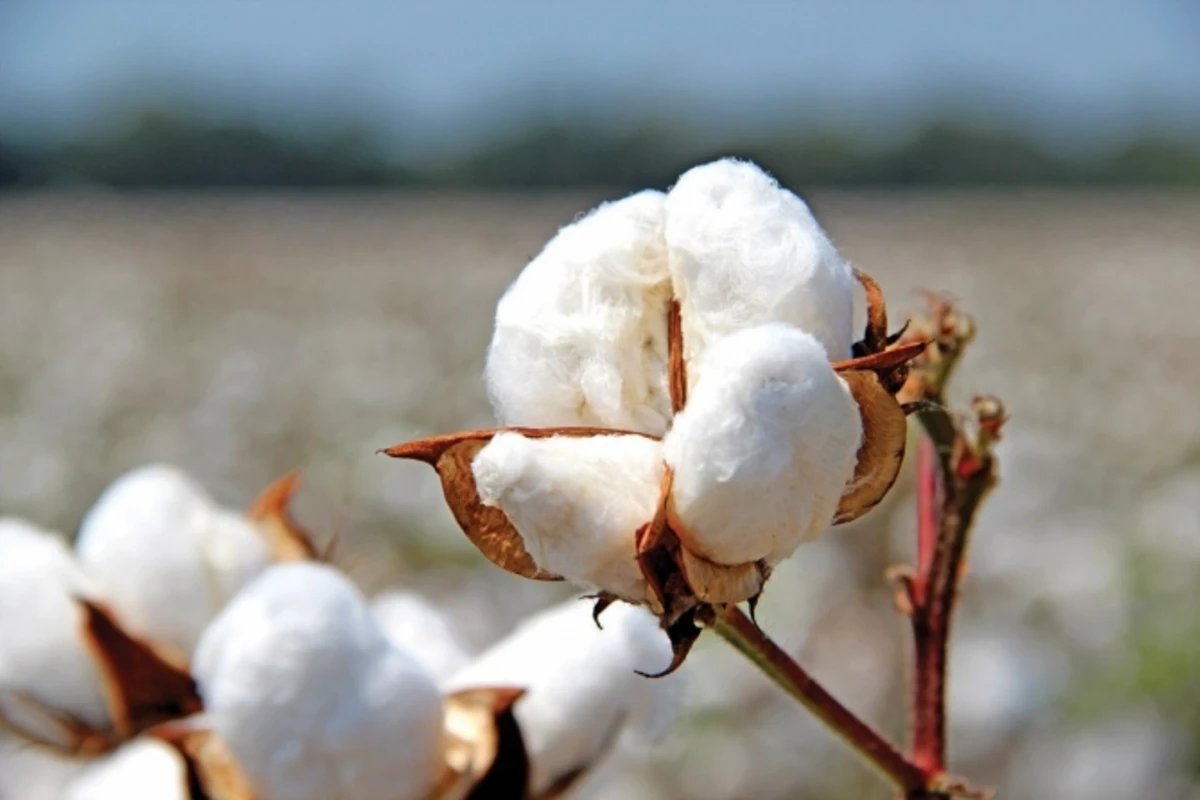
x=444, y=71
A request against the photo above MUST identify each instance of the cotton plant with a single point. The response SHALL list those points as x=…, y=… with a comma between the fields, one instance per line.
x=683, y=403
x=97, y=640
x=682, y=398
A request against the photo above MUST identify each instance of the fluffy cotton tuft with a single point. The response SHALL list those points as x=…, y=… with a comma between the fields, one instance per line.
x=167, y=557
x=583, y=691
x=417, y=626
x=33, y=773
x=764, y=449
x=312, y=699
x=42, y=650
x=142, y=770
x=743, y=251
x=576, y=502
x=581, y=336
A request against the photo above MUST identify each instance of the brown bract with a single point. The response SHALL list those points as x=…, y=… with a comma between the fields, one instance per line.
x=287, y=539
x=485, y=752
x=683, y=587
x=211, y=771
x=143, y=686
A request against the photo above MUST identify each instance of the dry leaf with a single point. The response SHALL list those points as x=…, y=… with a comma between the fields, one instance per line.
x=885, y=432
x=286, y=538
x=142, y=685
x=485, y=752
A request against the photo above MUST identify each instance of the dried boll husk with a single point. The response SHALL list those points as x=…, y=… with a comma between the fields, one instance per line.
x=311, y=699
x=744, y=251
x=576, y=502
x=764, y=448
x=581, y=334
x=167, y=557
x=582, y=692
x=44, y=656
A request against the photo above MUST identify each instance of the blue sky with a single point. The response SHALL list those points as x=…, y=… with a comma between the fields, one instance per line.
x=1065, y=69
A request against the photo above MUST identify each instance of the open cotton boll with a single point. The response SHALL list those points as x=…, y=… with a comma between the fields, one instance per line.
x=582, y=689
x=743, y=251
x=310, y=697
x=581, y=336
x=764, y=449
x=167, y=557
x=33, y=773
x=417, y=626
x=43, y=654
x=144, y=769
x=577, y=502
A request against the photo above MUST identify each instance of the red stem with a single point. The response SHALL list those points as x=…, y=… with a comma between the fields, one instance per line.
x=736, y=628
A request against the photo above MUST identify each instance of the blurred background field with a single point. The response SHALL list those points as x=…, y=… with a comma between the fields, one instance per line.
x=179, y=283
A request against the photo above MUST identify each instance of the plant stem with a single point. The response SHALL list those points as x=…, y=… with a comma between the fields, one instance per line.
x=746, y=637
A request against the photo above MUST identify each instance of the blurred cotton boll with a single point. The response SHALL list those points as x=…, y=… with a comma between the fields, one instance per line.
x=311, y=698
x=583, y=692
x=417, y=626
x=577, y=502
x=141, y=770
x=743, y=251
x=581, y=336
x=166, y=555
x=43, y=655
x=33, y=773
x=764, y=448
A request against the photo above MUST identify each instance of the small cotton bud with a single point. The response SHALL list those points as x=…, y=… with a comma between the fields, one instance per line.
x=417, y=626
x=583, y=691
x=145, y=769
x=581, y=336
x=43, y=654
x=166, y=555
x=764, y=449
x=310, y=697
x=577, y=502
x=744, y=251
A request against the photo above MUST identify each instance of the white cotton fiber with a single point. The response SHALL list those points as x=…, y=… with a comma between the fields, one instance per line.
x=764, y=448
x=583, y=693
x=744, y=252
x=311, y=698
x=581, y=336
x=43, y=654
x=166, y=555
x=144, y=769
x=576, y=501
x=33, y=773
x=417, y=626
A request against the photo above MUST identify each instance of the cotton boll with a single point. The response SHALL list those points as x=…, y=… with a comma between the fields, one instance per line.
x=33, y=773
x=581, y=336
x=417, y=626
x=166, y=555
x=141, y=770
x=43, y=654
x=577, y=502
x=582, y=689
x=311, y=698
x=743, y=251
x=764, y=449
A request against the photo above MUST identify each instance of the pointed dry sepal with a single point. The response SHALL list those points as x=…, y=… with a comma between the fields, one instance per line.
x=885, y=433
x=286, y=538
x=488, y=528
x=211, y=771
x=143, y=686
x=485, y=751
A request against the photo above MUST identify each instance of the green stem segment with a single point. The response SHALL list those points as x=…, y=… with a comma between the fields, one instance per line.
x=736, y=628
